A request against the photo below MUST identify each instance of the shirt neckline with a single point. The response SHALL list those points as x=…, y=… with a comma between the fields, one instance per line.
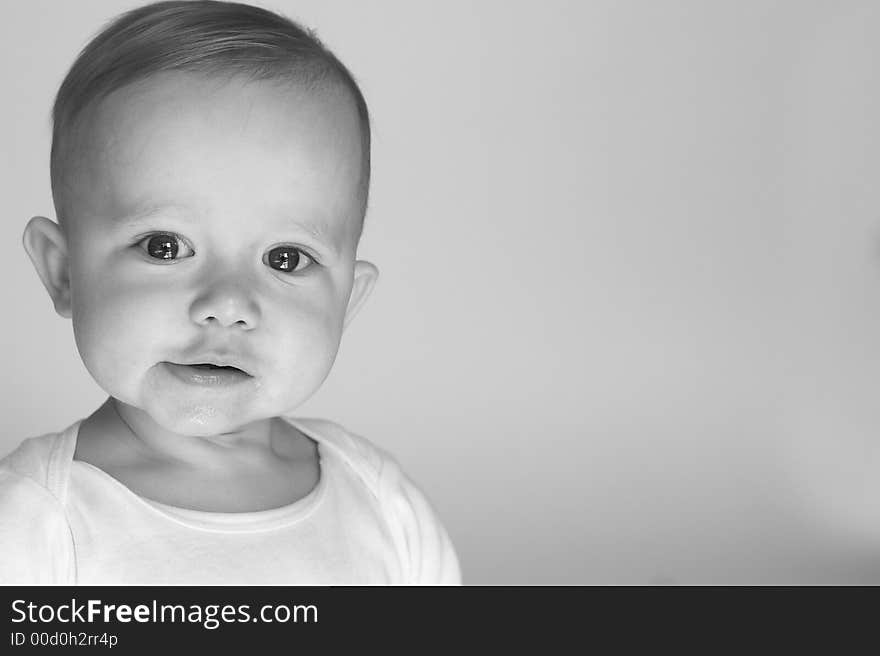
x=222, y=521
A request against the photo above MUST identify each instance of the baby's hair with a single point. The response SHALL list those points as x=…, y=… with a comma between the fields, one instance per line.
x=206, y=36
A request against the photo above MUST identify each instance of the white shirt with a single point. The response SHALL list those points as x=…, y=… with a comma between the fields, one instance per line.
x=63, y=521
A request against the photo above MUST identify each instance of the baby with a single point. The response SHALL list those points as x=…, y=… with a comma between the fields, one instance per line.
x=210, y=170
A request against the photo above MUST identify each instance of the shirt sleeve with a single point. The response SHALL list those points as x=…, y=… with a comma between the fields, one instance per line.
x=424, y=548
x=36, y=545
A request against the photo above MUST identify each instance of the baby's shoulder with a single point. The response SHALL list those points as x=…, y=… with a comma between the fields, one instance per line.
x=35, y=537
x=31, y=489
x=423, y=546
x=370, y=462
x=36, y=459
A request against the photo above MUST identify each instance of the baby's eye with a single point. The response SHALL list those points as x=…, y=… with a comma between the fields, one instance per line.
x=164, y=246
x=288, y=258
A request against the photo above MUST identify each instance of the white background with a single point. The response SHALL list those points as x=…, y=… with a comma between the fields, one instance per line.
x=628, y=323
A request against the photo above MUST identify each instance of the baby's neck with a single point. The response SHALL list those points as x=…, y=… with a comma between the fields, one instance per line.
x=251, y=471
x=253, y=440
x=119, y=435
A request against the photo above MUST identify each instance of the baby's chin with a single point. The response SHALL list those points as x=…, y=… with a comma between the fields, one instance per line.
x=203, y=408
x=199, y=420
x=202, y=412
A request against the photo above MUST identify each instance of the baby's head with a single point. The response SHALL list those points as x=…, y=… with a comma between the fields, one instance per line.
x=210, y=170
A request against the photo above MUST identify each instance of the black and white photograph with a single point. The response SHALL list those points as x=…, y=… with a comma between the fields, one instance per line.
x=481, y=293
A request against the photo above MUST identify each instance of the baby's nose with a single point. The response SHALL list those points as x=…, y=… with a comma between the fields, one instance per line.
x=226, y=303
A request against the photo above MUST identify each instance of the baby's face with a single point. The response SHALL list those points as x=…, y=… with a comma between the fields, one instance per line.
x=214, y=223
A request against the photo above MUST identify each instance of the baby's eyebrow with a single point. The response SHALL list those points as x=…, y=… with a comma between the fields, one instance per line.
x=318, y=230
x=150, y=212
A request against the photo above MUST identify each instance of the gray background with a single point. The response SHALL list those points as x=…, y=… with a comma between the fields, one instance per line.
x=628, y=324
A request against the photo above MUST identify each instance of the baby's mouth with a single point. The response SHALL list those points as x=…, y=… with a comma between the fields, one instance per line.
x=214, y=366
x=207, y=373
x=209, y=368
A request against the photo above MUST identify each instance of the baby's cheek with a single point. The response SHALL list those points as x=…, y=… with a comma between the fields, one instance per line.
x=305, y=349
x=118, y=332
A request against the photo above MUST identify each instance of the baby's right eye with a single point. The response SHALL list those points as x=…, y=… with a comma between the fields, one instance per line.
x=164, y=246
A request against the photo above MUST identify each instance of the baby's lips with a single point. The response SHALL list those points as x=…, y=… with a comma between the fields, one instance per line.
x=218, y=360
x=210, y=367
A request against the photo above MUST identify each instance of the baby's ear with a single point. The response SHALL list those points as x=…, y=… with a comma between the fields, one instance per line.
x=46, y=245
x=365, y=276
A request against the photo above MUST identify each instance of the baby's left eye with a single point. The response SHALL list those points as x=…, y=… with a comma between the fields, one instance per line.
x=288, y=259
